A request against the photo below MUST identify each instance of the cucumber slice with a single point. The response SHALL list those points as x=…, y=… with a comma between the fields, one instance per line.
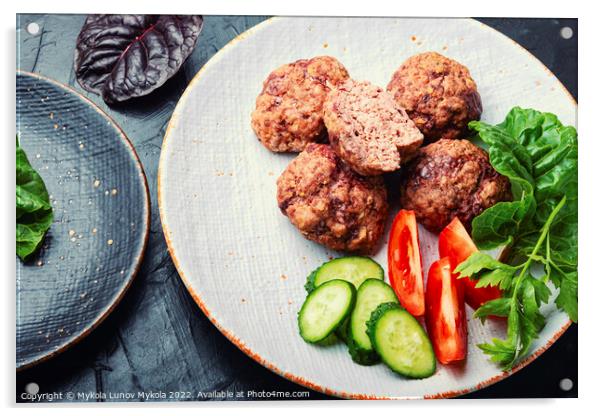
x=325, y=309
x=370, y=295
x=354, y=269
x=401, y=342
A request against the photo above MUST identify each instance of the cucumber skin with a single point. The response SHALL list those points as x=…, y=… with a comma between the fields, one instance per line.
x=361, y=356
x=376, y=315
x=310, y=284
x=311, y=279
x=342, y=331
x=326, y=340
x=330, y=340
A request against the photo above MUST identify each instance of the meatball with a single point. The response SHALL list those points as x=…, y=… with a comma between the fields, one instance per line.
x=330, y=203
x=368, y=129
x=451, y=178
x=288, y=111
x=438, y=94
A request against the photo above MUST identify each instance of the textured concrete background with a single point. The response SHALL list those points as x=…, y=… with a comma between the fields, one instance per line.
x=157, y=339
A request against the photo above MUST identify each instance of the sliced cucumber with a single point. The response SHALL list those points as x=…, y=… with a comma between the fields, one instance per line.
x=401, y=342
x=354, y=269
x=370, y=295
x=325, y=309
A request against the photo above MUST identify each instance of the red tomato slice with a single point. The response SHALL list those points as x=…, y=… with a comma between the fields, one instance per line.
x=445, y=314
x=455, y=243
x=405, y=263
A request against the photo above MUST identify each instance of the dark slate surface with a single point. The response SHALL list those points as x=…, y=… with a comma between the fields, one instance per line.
x=157, y=340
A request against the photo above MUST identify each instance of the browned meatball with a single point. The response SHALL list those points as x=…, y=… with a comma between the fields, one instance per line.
x=438, y=94
x=367, y=129
x=451, y=178
x=330, y=203
x=288, y=111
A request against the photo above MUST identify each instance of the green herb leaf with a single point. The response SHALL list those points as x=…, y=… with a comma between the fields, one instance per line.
x=495, y=307
x=567, y=298
x=504, y=351
x=539, y=227
x=492, y=272
x=497, y=225
x=34, y=212
x=525, y=321
x=479, y=261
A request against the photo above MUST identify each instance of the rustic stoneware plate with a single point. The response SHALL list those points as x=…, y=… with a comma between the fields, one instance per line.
x=101, y=216
x=241, y=259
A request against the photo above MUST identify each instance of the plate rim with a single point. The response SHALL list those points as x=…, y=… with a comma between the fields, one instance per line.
x=503, y=374
x=139, y=256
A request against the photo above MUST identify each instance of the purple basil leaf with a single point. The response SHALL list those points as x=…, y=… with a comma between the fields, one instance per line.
x=125, y=56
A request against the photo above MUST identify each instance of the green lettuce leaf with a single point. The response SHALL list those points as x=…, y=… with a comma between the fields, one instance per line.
x=34, y=212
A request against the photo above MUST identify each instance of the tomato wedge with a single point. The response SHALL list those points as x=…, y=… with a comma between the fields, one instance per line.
x=445, y=314
x=455, y=243
x=405, y=263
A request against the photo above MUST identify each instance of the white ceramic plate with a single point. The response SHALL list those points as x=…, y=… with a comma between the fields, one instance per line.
x=241, y=259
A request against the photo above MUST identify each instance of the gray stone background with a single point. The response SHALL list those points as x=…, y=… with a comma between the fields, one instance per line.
x=157, y=339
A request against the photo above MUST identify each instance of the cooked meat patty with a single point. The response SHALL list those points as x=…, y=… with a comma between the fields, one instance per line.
x=451, y=178
x=330, y=203
x=367, y=129
x=438, y=94
x=288, y=111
